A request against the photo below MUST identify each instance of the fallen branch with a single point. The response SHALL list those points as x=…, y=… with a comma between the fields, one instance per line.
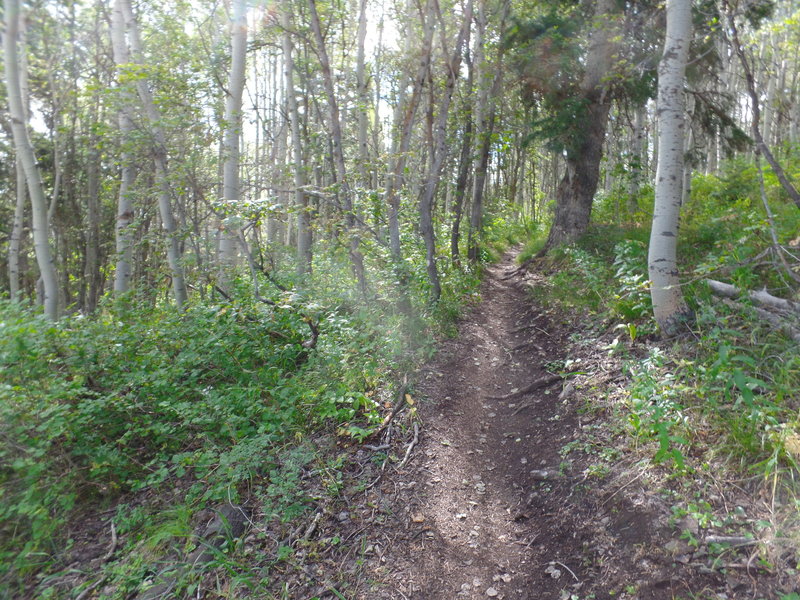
x=733, y=540
x=539, y=383
x=761, y=297
x=113, y=546
x=399, y=403
x=312, y=527
x=413, y=443
x=568, y=569
x=772, y=318
x=106, y=557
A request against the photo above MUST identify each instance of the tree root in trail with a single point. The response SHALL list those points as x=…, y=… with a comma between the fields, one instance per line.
x=511, y=274
x=539, y=383
x=525, y=345
x=528, y=326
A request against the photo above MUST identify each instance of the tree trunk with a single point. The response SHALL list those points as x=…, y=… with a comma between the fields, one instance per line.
x=637, y=159
x=482, y=74
x=439, y=149
x=462, y=179
x=125, y=210
x=25, y=153
x=15, y=239
x=362, y=97
x=404, y=124
x=485, y=113
x=231, y=185
x=338, y=153
x=159, y=149
x=755, y=128
x=304, y=239
x=669, y=306
x=91, y=272
x=575, y=193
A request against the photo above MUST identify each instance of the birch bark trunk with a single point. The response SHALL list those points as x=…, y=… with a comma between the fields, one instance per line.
x=362, y=97
x=755, y=123
x=231, y=185
x=439, y=149
x=345, y=192
x=25, y=154
x=304, y=238
x=159, y=149
x=669, y=307
x=125, y=209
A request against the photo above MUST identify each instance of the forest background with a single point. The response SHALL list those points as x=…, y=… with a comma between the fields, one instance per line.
x=228, y=228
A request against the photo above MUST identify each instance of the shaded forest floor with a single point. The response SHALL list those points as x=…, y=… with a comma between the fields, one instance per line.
x=503, y=476
x=507, y=493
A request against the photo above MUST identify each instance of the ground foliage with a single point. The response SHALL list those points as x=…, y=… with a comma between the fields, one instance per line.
x=151, y=416
x=721, y=402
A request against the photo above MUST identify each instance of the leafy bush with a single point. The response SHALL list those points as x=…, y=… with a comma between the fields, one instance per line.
x=94, y=408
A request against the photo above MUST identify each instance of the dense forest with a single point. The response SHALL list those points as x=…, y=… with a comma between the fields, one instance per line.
x=234, y=233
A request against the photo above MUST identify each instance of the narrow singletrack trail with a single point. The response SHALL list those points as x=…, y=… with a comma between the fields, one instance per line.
x=489, y=503
x=480, y=518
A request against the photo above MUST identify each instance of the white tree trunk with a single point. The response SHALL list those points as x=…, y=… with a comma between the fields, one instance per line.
x=159, y=150
x=362, y=102
x=304, y=239
x=125, y=210
x=669, y=307
x=15, y=239
x=24, y=149
x=639, y=157
x=338, y=152
x=231, y=187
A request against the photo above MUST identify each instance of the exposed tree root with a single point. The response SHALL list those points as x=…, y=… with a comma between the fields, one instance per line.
x=539, y=383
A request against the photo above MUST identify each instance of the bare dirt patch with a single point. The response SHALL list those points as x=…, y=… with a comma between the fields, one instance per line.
x=489, y=505
x=502, y=477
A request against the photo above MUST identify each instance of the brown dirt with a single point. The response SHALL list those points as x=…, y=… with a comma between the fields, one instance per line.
x=473, y=493
x=487, y=505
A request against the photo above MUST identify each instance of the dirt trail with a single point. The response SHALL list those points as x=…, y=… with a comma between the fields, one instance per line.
x=485, y=508
x=485, y=530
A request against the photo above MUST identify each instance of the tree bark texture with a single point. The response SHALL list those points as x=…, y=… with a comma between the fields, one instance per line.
x=304, y=237
x=439, y=150
x=755, y=127
x=125, y=209
x=575, y=192
x=404, y=126
x=669, y=307
x=231, y=186
x=335, y=124
x=26, y=156
x=159, y=149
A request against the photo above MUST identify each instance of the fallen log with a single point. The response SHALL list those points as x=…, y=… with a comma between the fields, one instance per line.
x=775, y=320
x=761, y=297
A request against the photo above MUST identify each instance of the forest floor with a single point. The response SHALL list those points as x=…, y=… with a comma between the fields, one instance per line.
x=508, y=473
x=508, y=493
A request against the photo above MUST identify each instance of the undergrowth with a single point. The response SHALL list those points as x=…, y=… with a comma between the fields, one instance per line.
x=152, y=415
x=725, y=397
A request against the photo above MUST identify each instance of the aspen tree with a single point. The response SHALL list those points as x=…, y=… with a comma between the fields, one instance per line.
x=159, y=150
x=25, y=154
x=669, y=307
x=231, y=185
